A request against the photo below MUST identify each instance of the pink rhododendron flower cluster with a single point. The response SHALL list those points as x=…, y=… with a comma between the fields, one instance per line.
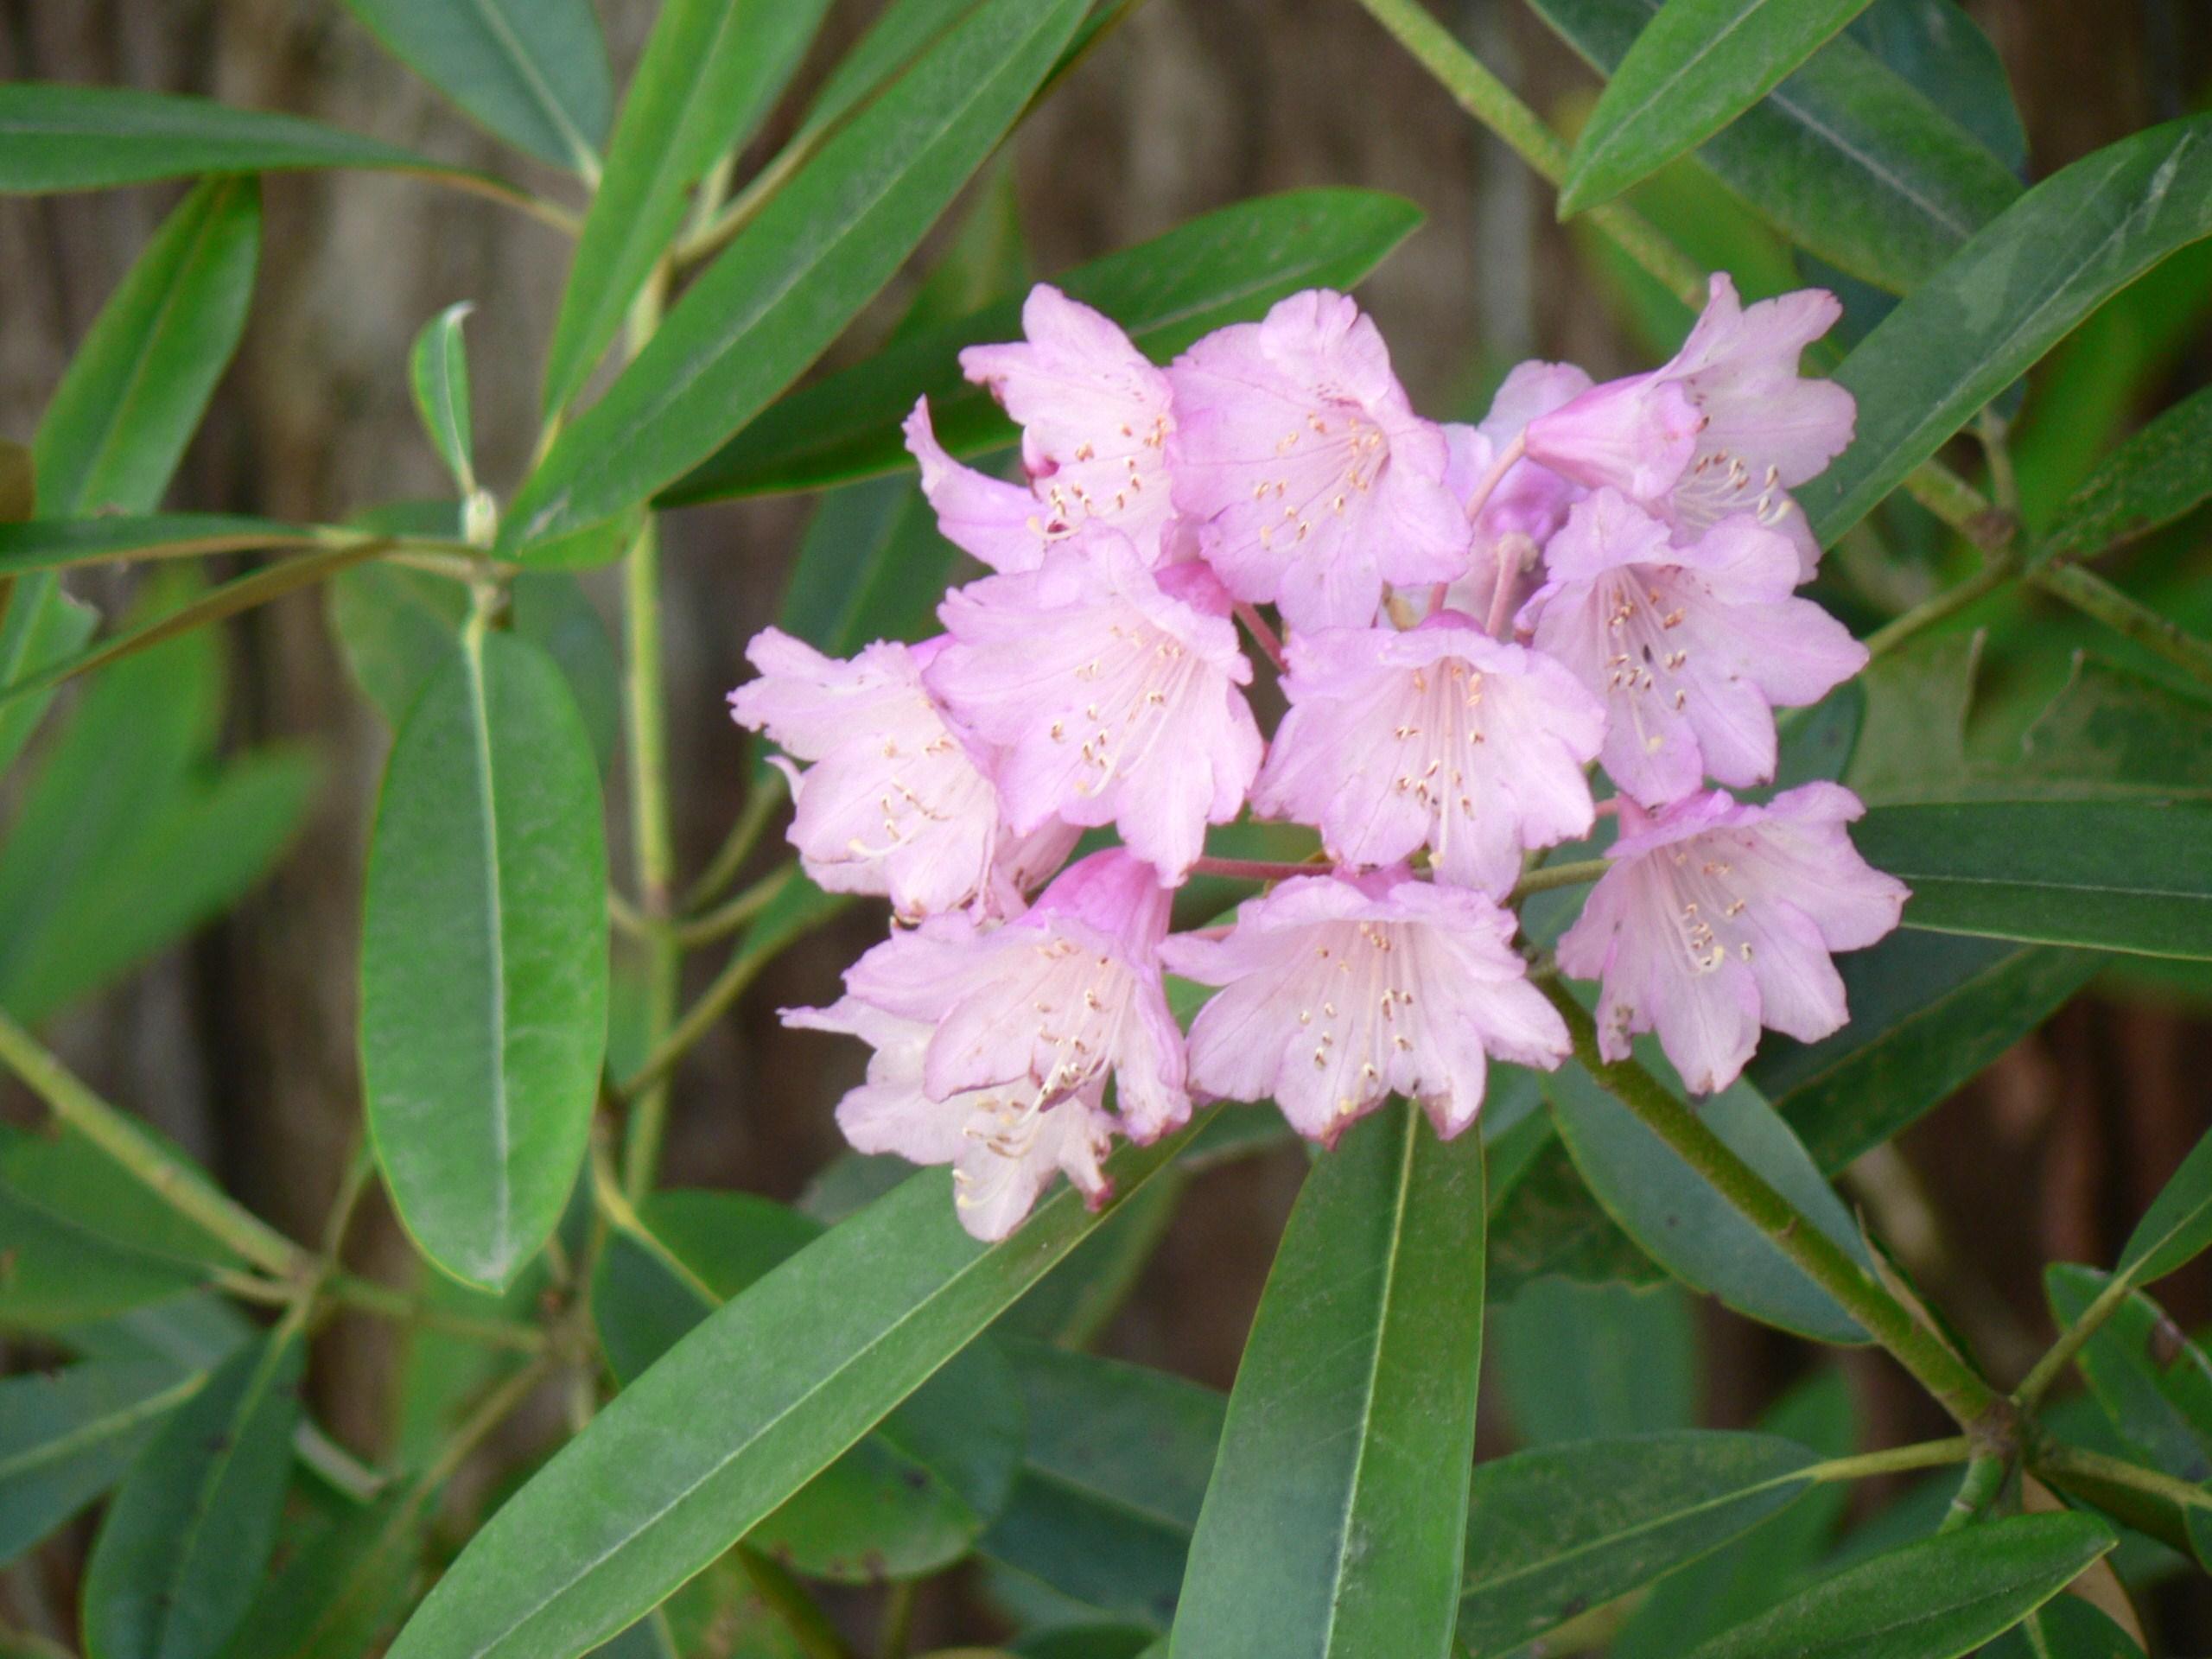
x=1474, y=619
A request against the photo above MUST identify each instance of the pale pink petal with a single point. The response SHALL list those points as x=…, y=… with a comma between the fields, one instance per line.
x=1001, y=524
x=1635, y=436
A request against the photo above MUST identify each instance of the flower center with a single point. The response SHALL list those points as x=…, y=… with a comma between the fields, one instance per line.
x=1640, y=624
x=1327, y=465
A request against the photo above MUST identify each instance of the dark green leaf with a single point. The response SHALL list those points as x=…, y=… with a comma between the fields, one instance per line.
x=1934, y=1600
x=344, y=1590
x=66, y=1436
x=738, y=1416
x=190, y=1332
x=1085, y=1642
x=1227, y=266
x=437, y=373
x=2178, y=1223
x=2065, y=1627
x=1928, y=1011
x=2133, y=875
x=711, y=68
x=1555, y=1532
x=1942, y=51
x=55, y=137
x=484, y=967
x=1112, y=1483
x=1687, y=1226
x=2158, y=475
x=1845, y=157
x=1697, y=65
x=2011, y=295
x=872, y=567
x=2153, y=1382
x=1547, y=1225
x=58, y=544
x=1585, y=1362
x=184, y=1543
x=1336, y=1519
x=784, y=288
x=533, y=72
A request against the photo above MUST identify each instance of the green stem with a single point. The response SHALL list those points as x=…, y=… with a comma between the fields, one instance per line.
x=727, y=919
x=1972, y=1403
x=1898, y=1459
x=2046, y=1370
x=2059, y=1460
x=2094, y=597
x=898, y=1635
x=783, y=1595
x=1550, y=877
x=742, y=969
x=1997, y=569
x=767, y=794
x=154, y=1165
x=349, y=1290
x=1984, y=1478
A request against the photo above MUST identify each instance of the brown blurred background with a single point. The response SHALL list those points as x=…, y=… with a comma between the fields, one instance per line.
x=242, y=1045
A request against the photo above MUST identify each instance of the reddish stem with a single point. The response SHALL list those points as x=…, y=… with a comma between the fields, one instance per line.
x=1262, y=635
x=1255, y=869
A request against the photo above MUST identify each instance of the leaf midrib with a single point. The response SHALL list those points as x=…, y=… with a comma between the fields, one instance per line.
x=486, y=794
x=90, y=1435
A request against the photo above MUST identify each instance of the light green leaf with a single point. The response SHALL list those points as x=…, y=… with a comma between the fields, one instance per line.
x=484, y=966
x=1584, y=1362
x=1696, y=66
x=437, y=373
x=2008, y=296
x=1336, y=1519
x=184, y=1543
x=66, y=1436
x=711, y=68
x=1687, y=1227
x=2129, y=875
x=1555, y=1532
x=2158, y=475
x=1227, y=266
x=533, y=72
x=737, y=1417
x=2153, y=1382
x=1934, y=1600
x=2178, y=1223
x=783, y=290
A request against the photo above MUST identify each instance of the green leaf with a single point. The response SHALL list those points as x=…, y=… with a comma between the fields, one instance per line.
x=437, y=373
x=484, y=966
x=1944, y=53
x=2178, y=1224
x=2065, y=1627
x=908, y=1500
x=1584, y=1362
x=872, y=567
x=66, y=1436
x=1934, y=1600
x=1845, y=157
x=184, y=1543
x=57, y=138
x=1085, y=1642
x=1336, y=1519
x=189, y=1333
x=1928, y=1011
x=2129, y=875
x=738, y=1415
x=1688, y=1228
x=2111, y=733
x=1545, y=1225
x=783, y=290
x=43, y=627
x=1112, y=1481
x=2158, y=475
x=1697, y=65
x=2153, y=1382
x=2007, y=297
x=1224, y=267
x=59, y=544
x=343, y=1591
x=532, y=72
x=1555, y=1532
x=710, y=70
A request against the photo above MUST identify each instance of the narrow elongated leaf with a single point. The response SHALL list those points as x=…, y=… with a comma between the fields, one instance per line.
x=738, y=1415
x=2008, y=296
x=1335, y=1522
x=2111, y=733
x=533, y=72
x=1944, y=53
x=872, y=567
x=66, y=1436
x=2162, y=473
x=342, y=1591
x=1559, y=1531
x=1928, y=1011
x=783, y=290
x=56, y=137
x=1695, y=67
x=59, y=544
x=1547, y=1225
x=2178, y=1223
x=2065, y=1627
x=711, y=68
x=2133, y=875
x=2153, y=1382
x=484, y=967
x=1853, y=162
x=437, y=373
x=185, y=1541
x=1934, y=1600
x=1224, y=267
x=1584, y=1362
x=1687, y=1226
x=42, y=627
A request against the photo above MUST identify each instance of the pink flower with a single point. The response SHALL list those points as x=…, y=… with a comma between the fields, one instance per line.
x=1439, y=737
x=1759, y=429
x=1112, y=689
x=1717, y=918
x=1341, y=990
x=1693, y=647
x=895, y=802
x=1049, y=1004
x=1296, y=440
x=1095, y=419
x=1528, y=502
x=1003, y=1147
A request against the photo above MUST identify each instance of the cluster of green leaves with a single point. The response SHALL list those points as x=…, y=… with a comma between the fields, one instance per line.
x=852, y=1391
